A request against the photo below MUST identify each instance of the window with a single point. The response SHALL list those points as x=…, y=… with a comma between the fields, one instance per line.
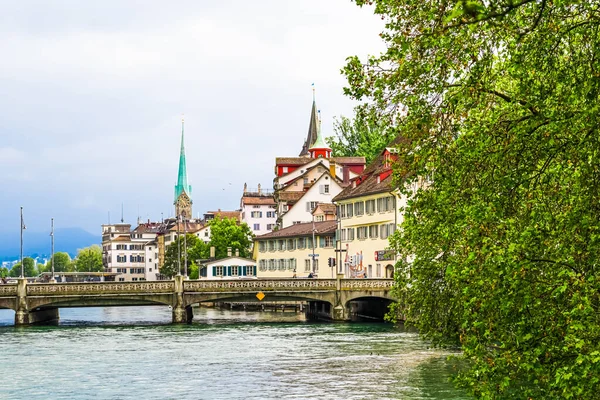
x=262, y=265
x=378, y=270
x=134, y=279
x=251, y=269
x=373, y=231
x=262, y=247
x=305, y=180
x=319, y=218
x=219, y=270
x=270, y=227
x=271, y=245
x=370, y=206
x=271, y=265
x=328, y=241
x=311, y=205
x=121, y=259
x=301, y=243
x=359, y=208
x=324, y=189
x=257, y=227
x=350, y=210
x=281, y=244
x=362, y=232
x=285, y=170
x=384, y=231
x=343, y=235
x=282, y=265
x=316, y=265
x=121, y=279
x=255, y=206
x=291, y=244
x=341, y=211
x=307, y=265
x=149, y=260
x=309, y=242
x=270, y=214
x=291, y=264
x=121, y=247
x=385, y=204
x=235, y=270
x=256, y=214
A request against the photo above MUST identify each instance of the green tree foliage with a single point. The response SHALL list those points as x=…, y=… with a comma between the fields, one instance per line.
x=228, y=232
x=62, y=263
x=28, y=268
x=364, y=136
x=4, y=272
x=196, y=249
x=498, y=103
x=89, y=259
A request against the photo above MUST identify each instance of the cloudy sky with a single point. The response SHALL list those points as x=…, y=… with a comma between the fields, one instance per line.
x=93, y=93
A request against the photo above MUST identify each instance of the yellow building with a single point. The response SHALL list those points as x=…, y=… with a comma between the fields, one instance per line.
x=286, y=253
x=369, y=212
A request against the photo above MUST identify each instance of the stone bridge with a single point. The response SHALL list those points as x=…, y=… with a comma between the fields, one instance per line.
x=39, y=302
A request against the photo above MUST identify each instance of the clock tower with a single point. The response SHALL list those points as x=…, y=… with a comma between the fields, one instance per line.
x=183, y=191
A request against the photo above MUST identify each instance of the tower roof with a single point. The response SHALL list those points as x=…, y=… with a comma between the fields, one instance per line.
x=182, y=183
x=311, y=137
x=319, y=142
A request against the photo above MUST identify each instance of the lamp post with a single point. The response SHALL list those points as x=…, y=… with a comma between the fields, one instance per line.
x=22, y=228
x=52, y=279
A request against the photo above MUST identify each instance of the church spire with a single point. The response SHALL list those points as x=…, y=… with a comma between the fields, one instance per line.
x=182, y=183
x=319, y=147
x=311, y=137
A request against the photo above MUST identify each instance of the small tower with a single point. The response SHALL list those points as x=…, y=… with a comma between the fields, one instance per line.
x=183, y=191
x=320, y=149
x=311, y=137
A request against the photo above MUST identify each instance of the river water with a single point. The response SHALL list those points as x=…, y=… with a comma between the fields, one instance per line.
x=134, y=353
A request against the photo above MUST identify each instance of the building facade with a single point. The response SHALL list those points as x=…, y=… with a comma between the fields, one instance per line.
x=369, y=212
x=258, y=210
x=287, y=252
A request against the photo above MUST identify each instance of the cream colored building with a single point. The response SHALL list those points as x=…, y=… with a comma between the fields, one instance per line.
x=369, y=212
x=286, y=253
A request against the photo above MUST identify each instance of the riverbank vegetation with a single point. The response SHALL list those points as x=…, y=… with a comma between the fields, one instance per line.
x=498, y=103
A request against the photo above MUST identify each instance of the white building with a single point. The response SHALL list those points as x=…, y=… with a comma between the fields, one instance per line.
x=258, y=210
x=230, y=267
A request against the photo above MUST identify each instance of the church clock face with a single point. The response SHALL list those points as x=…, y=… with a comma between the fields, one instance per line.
x=184, y=206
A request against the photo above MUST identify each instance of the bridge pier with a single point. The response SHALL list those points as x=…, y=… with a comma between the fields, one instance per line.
x=181, y=314
x=24, y=316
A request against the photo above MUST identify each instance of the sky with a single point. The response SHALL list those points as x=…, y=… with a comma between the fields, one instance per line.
x=92, y=96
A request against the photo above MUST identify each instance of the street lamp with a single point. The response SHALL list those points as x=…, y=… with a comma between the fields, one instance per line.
x=52, y=280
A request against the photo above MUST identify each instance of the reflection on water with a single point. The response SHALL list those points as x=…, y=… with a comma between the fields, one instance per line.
x=134, y=352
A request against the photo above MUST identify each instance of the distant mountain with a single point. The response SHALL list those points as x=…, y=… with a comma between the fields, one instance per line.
x=39, y=243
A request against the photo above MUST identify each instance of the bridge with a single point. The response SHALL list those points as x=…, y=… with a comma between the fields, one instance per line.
x=330, y=298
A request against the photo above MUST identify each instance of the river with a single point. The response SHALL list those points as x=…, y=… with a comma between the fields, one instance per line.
x=135, y=353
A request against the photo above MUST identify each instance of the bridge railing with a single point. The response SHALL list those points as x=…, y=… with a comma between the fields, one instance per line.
x=367, y=284
x=98, y=288
x=255, y=285
x=8, y=290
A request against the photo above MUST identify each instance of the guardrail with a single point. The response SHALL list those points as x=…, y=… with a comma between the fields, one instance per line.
x=251, y=285
x=45, y=289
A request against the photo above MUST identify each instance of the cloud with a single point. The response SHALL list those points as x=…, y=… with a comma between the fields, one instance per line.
x=94, y=93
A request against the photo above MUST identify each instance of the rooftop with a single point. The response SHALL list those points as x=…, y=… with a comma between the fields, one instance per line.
x=304, y=229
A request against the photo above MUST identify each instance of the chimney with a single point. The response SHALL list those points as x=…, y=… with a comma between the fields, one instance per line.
x=229, y=252
x=212, y=251
x=245, y=187
x=259, y=189
x=237, y=252
x=332, y=169
x=346, y=172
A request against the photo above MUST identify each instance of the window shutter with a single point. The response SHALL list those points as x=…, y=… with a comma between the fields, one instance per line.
x=243, y=271
x=308, y=206
x=214, y=273
x=321, y=189
x=321, y=241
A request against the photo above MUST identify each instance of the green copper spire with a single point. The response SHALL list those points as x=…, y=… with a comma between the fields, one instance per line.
x=182, y=184
x=311, y=137
x=319, y=141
